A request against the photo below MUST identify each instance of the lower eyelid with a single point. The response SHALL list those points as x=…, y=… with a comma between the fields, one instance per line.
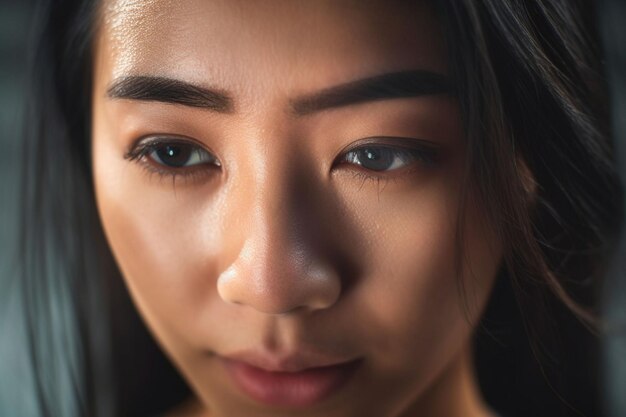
x=192, y=174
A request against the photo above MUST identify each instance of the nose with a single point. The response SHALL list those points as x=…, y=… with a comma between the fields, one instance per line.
x=279, y=268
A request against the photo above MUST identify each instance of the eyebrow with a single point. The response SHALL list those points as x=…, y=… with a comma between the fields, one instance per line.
x=403, y=84
x=168, y=90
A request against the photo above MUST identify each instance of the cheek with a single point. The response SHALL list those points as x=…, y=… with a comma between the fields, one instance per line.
x=162, y=239
x=412, y=288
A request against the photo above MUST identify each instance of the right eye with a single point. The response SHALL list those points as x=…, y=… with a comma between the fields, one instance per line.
x=171, y=156
x=179, y=155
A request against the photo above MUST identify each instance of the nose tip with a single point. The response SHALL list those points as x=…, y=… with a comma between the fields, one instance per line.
x=278, y=261
x=279, y=283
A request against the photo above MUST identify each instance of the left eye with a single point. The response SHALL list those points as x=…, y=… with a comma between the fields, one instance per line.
x=383, y=158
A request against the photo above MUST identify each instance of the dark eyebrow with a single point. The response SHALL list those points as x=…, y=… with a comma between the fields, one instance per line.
x=386, y=86
x=167, y=90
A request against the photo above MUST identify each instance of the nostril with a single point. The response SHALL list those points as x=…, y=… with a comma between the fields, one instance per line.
x=285, y=312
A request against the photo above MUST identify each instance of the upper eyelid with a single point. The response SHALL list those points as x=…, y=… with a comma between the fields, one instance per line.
x=396, y=142
x=147, y=141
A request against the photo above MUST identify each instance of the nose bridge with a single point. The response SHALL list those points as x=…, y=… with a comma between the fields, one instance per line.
x=276, y=210
x=276, y=243
x=278, y=268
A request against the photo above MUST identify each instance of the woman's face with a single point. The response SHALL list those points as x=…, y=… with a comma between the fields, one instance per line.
x=279, y=182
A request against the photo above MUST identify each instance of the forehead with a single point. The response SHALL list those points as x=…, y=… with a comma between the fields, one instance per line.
x=244, y=44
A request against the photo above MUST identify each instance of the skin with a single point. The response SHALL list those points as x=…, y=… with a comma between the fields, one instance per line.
x=281, y=247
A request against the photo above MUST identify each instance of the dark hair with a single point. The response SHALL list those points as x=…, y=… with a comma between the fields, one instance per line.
x=534, y=106
x=533, y=94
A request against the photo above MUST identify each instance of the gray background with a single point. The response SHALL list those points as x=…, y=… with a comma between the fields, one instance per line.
x=613, y=30
x=14, y=377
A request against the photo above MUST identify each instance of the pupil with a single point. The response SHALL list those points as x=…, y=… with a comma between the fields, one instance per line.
x=174, y=155
x=375, y=159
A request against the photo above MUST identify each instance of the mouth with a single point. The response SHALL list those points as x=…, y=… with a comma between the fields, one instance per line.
x=292, y=382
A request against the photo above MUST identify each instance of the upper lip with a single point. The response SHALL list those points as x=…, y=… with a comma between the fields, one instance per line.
x=286, y=362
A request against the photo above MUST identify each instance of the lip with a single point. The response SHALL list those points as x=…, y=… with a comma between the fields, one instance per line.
x=291, y=381
x=288, y=362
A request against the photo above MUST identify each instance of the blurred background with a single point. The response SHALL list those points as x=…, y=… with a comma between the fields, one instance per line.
x=613, y=31
x=15, y=381
x=15, y=378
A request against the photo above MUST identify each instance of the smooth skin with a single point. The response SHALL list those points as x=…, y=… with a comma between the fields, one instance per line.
x=274, y=232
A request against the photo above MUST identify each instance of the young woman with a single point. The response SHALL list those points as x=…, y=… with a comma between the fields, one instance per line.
x=310, y=204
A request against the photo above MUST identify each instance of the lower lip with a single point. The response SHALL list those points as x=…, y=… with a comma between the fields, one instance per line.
x=290, y=389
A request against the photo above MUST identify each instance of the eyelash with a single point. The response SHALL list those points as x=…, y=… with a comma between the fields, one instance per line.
x=418, y=152
x=141, y=151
